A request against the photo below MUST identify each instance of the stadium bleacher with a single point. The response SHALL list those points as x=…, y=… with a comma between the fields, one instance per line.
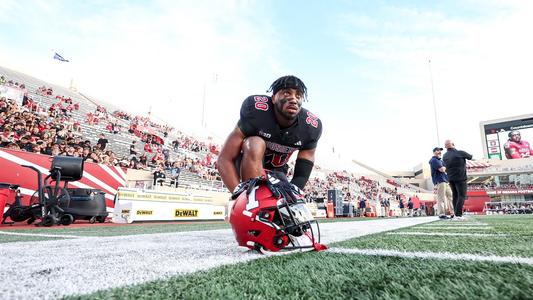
x=197, y=170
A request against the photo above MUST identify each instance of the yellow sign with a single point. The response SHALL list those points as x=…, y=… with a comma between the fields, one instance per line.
x=145, y=212
x=186, y=213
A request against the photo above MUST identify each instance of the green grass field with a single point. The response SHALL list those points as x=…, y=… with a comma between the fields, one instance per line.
x=512, y=235
x=333, y=275
x=327, y=275
x=337, y=276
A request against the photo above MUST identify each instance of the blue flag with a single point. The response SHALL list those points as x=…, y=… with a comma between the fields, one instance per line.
x=59, y=57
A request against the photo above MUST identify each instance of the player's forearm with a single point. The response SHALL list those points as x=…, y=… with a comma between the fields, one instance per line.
x=228, y=173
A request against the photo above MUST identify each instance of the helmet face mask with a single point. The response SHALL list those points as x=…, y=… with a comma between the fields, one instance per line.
x=261, y=221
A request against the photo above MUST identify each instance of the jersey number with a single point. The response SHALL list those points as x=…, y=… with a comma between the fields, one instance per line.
x=261, y=103
x=311, y=120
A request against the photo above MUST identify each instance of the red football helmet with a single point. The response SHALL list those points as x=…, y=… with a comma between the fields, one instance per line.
x=261, y=221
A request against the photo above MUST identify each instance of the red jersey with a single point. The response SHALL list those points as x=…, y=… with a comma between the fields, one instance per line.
x=517, y=150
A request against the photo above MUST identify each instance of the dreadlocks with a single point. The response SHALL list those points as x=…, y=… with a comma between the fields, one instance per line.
x=289, y=82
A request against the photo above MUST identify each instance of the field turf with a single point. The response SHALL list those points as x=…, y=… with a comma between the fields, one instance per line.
x=490, y=257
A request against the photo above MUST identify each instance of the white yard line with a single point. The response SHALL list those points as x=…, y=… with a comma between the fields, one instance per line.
x=456, y=224
x=39, y=235
x=436, y=255
x=455, y=227
x=446, y=234
x=53, y=269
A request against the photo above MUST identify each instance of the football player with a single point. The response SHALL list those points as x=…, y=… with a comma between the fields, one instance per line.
x=515, y=147
x=269, y=131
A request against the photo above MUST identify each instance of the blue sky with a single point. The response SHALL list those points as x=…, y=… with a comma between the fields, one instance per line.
x=365, y=64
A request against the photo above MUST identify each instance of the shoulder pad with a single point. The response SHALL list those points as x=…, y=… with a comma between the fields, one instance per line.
x=258, y=102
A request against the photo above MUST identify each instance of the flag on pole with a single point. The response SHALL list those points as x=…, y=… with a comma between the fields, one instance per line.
x=60, y=58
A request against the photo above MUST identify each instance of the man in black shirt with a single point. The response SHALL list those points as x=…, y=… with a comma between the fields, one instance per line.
x=269, y=131
x=159, y=174
x=455, y=161
x=102, y=142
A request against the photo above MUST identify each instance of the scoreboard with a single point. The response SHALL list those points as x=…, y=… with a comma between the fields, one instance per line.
x=496, y=133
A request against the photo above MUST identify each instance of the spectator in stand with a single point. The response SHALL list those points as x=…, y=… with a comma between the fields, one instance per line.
x=147, y=148
x=455, y=162
x=175, y=145
x=159, y=176
x=37, y=148
x=133, y=150
x=158, y=158
x=440, y=181
x=25, y=144
x=166, y=154
x=86, y=153
x=110, y=127
x=102, y=142
x=175, y=174
x=143, y=159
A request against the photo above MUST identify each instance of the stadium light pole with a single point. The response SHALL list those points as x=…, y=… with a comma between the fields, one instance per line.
x=434, y=102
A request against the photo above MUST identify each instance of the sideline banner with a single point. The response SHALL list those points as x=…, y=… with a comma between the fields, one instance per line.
x=134, y=205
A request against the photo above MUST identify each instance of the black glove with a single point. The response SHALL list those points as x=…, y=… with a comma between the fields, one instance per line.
x=280, y=186
x=247, y=186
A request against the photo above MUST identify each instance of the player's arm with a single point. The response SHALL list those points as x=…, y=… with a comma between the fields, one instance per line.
x=304, y=165
x=226, y=160
x=510, y=152
x=513, y=153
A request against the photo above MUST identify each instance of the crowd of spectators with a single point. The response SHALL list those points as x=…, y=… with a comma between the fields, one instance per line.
x=363, y=191
x=491, y=186
x=53, y=130
x=22, y=129
x=509, y=207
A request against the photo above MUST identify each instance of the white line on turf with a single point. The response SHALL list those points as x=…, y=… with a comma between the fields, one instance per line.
x=455, y=227
x=456, y=224
x=436, y=255
x=447, y=234
x=85, y=265
x=39, y=235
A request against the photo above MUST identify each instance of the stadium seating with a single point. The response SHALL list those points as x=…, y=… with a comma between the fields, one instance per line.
x=196, y=173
